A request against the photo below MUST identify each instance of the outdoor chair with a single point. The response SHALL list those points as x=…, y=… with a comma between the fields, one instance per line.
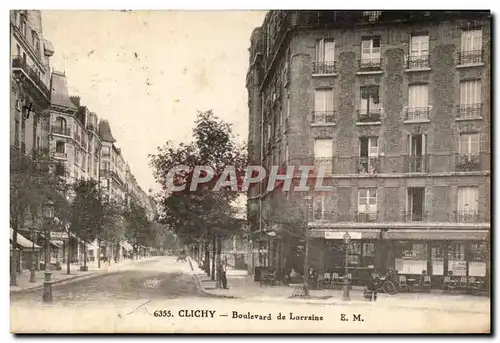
x=403, y=284
x=463, y=283
x=327, y=281
x=427, y=283
x=447, y=285
x=336, y=280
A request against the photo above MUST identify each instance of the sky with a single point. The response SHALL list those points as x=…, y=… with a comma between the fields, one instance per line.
x=149, y=72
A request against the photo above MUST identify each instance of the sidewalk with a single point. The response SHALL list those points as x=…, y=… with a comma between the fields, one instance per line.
x=243, y=286
x=59, y=276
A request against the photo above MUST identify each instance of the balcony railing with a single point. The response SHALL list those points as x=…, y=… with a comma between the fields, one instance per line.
x=417, y=62
x=467, y=216
x=470, y=57
x=417, y=164
x=414, y=216
x=469, y=111
x=468, y=162
x=59, y=155
x=325, y=163
x=65, y=131
x=370, y=64
x=367, y=164
x=417, y=113
x=323, y=117
x=325, y=67
x=371, y=115
x=19, y=63
x=366, y=217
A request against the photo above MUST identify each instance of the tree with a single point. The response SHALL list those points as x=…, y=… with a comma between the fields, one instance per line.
x=33, y=182
x=201, y=215
x=137, y=226
x=88, y=212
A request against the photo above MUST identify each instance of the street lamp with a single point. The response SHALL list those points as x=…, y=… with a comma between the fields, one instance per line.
x=48, y=214
x=33, y=262
x=306, y=248
x=345, y=286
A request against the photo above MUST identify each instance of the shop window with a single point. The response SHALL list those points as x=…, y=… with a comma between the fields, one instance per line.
x=354, y=254
x=456, y=259
x=437, y=255
x=410, y=258
x=478, y=257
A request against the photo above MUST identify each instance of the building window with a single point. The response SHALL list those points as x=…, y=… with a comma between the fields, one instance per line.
x=470, y=99
x=471, y=47
x=60, y=170
x=368, y=155
x=478, y=255
x=417, y=150
x=415, y=204
x=367, y=204
x=370, y=53
x=410, y=258
x=319, y=208
x=325, y=57
x=60, y=147
x=323, y=155
x=369, y=105
x=467, y=204
x=372, y=16
x=469, y=144
x=418, y=103
x=105, y=151
x=419, y=52
x=323, y=106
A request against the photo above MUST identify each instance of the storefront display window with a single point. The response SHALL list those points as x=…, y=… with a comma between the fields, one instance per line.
x=410, y=258
x=477, y=259
x=456, y=259
x=354, y=254
x=369, y=254
x=437, y=256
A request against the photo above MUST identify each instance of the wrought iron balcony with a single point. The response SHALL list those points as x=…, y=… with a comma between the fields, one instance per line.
x=469, y=111
x=18, y=63
x=370, y=64
x=325, y=163
x=467, y=216
x=417, y=61
x=466, y=57
x=371, y=115
x=323, y=117
x=368, y=164
x=417, y=113
x=325, y=67
x=60, y=155
x=366, y=217
x=60, y=130
x=414, y=216
x=468, y=162
x=417, y=164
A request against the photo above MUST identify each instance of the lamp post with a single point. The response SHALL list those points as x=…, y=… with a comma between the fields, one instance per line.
x=306, y=248
x=48, y=214
x=345, y=286
x=33, y=262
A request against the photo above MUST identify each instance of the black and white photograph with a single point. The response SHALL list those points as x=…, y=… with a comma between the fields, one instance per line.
x=250, y=171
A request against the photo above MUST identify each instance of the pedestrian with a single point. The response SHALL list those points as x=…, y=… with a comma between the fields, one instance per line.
x=221, y=272
x=373, y=286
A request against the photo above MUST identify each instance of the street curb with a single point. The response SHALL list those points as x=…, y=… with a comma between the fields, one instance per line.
x=69, y=279
x=201, y=288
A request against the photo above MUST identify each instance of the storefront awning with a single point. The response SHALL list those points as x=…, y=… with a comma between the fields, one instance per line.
x=127, y=246
x=23, y=241
x=339, y=234
x=467, y=235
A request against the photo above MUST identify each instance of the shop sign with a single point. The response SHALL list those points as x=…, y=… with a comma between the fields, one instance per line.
x=340, y=235
x=58, y=235
x=458, y=267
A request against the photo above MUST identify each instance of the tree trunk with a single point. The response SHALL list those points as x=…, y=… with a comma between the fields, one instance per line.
x=13, y=260
x=213, y=257
x=219, y=268
x=207, y=257
x=84, y=255
x=68, y=262
x=98, y=253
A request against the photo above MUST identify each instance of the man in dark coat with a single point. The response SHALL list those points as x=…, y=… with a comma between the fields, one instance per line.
x=373, y=285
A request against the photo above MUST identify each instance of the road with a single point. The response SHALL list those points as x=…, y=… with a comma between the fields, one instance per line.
x=126, y=301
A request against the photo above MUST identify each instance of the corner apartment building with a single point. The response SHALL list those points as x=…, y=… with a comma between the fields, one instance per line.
x=395, y=107
x=30, y=80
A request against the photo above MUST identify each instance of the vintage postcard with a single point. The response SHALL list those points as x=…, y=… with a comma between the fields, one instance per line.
x=281, y=171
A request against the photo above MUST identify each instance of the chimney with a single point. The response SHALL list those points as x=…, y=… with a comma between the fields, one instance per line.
x=75, y=100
